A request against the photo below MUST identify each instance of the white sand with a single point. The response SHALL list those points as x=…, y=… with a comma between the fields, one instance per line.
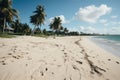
x=63, y=58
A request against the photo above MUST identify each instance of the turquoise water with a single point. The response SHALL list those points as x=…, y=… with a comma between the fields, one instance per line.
x=111, y=37
x=111, y=43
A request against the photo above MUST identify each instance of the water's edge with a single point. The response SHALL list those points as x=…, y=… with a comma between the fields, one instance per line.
x=107, y=45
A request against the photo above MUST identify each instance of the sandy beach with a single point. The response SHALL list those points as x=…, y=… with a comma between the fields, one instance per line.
x=63, y=58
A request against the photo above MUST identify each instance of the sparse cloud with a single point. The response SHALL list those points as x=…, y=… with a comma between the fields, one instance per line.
x=103, y=21
x=88, y=29
x=113, y=17
x=92, y=13
x=115, y=30
x=62, y=17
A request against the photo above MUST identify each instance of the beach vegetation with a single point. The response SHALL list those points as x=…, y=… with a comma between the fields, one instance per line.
x=38, y=18
x=6, y=35
x=19, y=27
x=56, y=25
x=7, y=13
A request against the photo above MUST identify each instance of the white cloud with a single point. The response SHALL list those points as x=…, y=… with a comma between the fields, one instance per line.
x=92, y=13
x=103, y=21
x=88, y=29
x=113, y=17
x=62, y=17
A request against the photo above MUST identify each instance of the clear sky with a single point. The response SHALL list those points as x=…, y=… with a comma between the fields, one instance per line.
x=91, y=16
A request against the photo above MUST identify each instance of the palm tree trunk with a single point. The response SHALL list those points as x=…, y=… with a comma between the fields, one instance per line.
x=33, y=31
x=40, y=29
x=4, y=24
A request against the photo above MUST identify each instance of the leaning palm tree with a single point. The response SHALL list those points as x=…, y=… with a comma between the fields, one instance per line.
x=38, y=18
x=7, y=13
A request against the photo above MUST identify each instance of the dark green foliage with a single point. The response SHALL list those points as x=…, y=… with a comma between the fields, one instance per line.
x=7, y=13
x=56, y=25
x=21, y=27
x=38, y=18
x=73, y=33
x=44, y=31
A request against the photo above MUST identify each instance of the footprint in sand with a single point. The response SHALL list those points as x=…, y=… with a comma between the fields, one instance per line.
x=3, y=62
x=46, y=69
x=52, y=72
x=79, y=62
x=29, y=58
x=117, y=62
x=9, y=53
x=109, y=59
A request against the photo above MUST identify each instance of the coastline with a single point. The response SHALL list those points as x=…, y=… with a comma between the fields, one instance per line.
x=63, y=58
x=107, y=45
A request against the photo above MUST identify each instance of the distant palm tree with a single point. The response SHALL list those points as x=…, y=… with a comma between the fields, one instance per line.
x=65, y=30
x=61, y=28
x=56, y=24
x=38, y=18
x=7, y=13
x=25, y=28
x=16, y=25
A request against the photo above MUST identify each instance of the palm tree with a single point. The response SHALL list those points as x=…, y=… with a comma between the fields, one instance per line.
x=7, y=13
x=38, y=18
x=65, y=30
x=16, y=25
x=56, y=24
x=25, y=28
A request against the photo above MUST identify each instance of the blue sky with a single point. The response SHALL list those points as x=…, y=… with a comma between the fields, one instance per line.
x=90, y=16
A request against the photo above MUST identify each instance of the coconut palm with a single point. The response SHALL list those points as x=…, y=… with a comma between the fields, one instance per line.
x=38, y=18
x=25, y=28
x=65, y=30
x=16, y=25
x=56, y=24
x=7, y=13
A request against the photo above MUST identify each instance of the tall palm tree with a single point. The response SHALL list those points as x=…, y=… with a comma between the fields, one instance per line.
x=56, y=24
x=7, y=13
x=38, y=18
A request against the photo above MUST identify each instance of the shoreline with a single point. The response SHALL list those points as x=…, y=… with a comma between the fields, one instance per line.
x=106, y=45
x=63, y=58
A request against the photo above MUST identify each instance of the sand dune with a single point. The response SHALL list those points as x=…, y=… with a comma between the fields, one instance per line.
x=63, y=58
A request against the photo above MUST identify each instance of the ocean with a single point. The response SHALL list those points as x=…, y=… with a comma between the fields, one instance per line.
x=111, y=43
